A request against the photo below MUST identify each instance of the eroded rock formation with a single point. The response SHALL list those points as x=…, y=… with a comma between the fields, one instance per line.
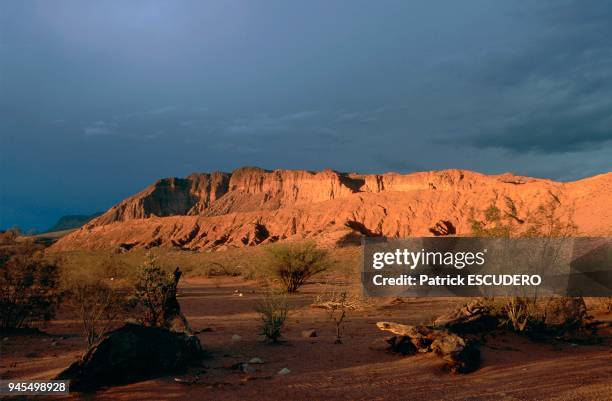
x=251, y=206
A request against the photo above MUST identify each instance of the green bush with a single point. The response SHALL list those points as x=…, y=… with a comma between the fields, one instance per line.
x=153, y=285
x=294, y=263
x=273, y=310
x=28, y=284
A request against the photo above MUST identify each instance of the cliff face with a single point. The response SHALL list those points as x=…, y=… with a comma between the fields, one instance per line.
x=246, y=189
x=169, y=197
x=252, y=206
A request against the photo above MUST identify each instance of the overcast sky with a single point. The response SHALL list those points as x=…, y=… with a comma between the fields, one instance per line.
x=100, y=98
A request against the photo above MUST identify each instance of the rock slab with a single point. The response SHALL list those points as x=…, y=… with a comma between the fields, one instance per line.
x=132, y=353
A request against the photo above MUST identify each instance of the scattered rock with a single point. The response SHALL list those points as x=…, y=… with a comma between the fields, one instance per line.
x=256, y=361
x=460, y=355
x=309, y=333
x=242, y=366
x=465, y=360
x=284, y=371
x=448, y=343
x=191, y=381
x=130, y=354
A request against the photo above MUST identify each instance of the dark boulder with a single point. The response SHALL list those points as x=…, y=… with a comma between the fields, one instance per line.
x=460, y=354
x=132, y=353
x=401, y=345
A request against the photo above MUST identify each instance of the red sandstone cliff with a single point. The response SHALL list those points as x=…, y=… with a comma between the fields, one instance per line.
x=252, y=206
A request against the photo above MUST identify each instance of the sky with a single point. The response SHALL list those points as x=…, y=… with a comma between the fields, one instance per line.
x=100, y=99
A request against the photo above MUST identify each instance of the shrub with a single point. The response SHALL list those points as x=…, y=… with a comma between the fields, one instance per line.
x=220, y=269
x=97, y=306
x=337, y=312
x=548, y=220
x=273, y=310
x=539, y=317
x=152, y=288
x=520, y=314
x=337, y=304
x=28, y=284
x=294, y=263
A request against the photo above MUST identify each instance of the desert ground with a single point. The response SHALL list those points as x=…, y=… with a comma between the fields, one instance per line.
x=513, y=367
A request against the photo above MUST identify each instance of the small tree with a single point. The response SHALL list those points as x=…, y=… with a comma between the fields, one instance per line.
x=294, y=263
x=152, y=288
x=497, y=223
x=273, y=310
x=338, y=304
x=28, y=283
x=97, y=306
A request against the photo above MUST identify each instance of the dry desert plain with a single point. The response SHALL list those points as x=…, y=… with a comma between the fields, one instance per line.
x=513, y=367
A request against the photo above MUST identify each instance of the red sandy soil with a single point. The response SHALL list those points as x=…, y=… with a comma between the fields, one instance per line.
x=513, y=367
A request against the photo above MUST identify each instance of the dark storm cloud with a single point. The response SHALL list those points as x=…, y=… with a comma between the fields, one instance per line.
x=98, y=99
x=550, y=132
x=559, y=87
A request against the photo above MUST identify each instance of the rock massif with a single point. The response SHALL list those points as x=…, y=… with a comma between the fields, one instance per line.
x=251, y=206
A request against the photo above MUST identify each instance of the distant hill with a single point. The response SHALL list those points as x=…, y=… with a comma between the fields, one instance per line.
x=72, y=221
x=252, y=206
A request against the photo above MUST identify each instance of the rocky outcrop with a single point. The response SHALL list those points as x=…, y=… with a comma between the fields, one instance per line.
x=132, y=353
x=460, y=354
x=169, y=197
x=252, y=206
